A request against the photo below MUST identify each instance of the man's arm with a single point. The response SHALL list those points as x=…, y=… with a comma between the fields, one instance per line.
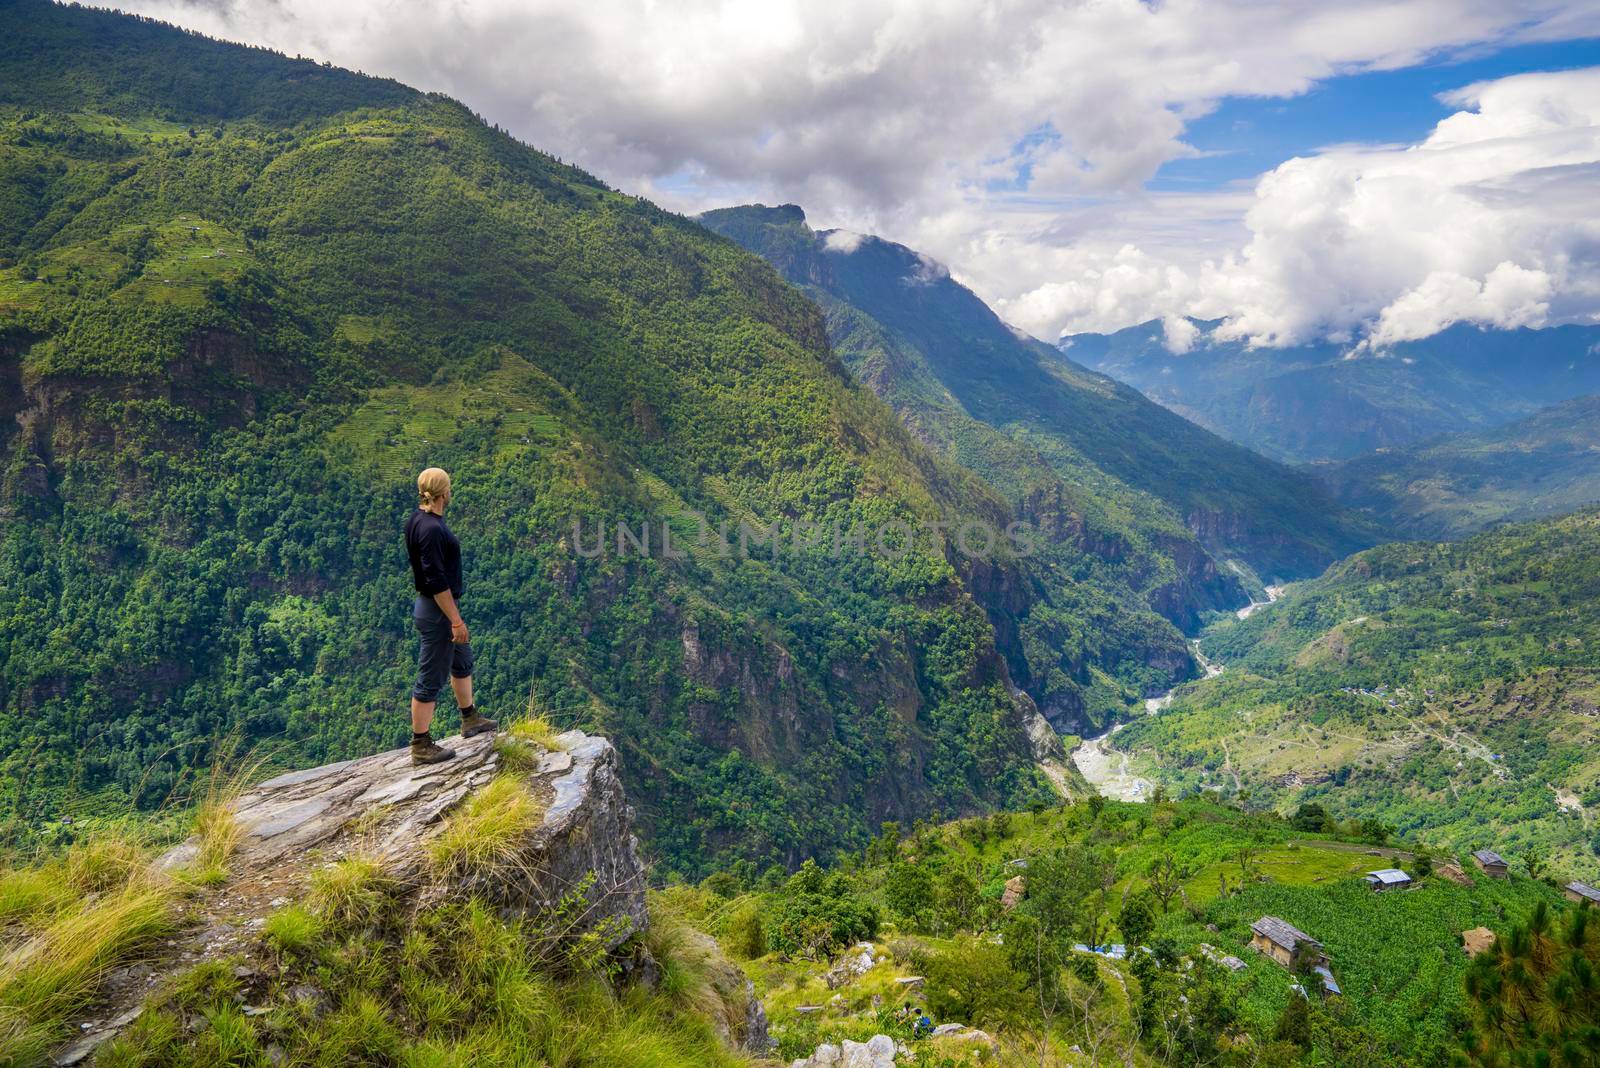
x=447, y=604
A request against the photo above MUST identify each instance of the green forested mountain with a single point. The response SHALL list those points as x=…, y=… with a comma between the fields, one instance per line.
x=1328, y=401
x=1447, y=689
x=1542, y=465
x=243, y=299
x=1165, y=504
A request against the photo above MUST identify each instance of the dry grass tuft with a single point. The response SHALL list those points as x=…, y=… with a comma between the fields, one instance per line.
x=114, y=906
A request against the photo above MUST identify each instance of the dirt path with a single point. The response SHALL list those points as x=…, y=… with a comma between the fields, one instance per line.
x=1227, y=765
x=1353, y=847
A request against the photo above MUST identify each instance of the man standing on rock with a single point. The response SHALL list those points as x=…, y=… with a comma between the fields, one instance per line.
x=445, y=652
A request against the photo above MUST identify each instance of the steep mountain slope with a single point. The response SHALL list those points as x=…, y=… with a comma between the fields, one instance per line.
x=1324, y=402
x=1543, y=465
x=1450, y=689
x=1143, y=487
x=243, y=299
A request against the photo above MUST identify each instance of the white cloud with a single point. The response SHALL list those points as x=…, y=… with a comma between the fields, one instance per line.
x=927, y=271
x=1179, y=334
x=1011, y=140
x=1489, y=220
x=842, y=241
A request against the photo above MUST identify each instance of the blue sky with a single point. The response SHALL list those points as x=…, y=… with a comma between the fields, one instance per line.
x=1246, y=136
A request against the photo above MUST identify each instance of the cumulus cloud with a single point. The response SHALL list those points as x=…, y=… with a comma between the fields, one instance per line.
x=1489, y=220
x=1011, y=140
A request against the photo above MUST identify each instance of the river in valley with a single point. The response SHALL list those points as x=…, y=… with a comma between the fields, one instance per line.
x=1107, y=768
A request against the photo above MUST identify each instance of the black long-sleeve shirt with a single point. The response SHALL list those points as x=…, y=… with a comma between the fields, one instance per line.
x=435, y=554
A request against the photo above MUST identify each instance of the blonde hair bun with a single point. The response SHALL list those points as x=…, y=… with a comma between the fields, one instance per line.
x=433, y=484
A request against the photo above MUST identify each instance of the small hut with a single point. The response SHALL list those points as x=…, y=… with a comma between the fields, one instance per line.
x=1582, y=893
x=1492, y=863
x=1388, y=879
x=1285, y=943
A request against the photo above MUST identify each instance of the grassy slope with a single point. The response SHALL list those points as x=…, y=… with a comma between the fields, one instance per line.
x=1542, y=465
x=1397, y=956
x=1479, y=724
x=243, y=298
x=353, y=971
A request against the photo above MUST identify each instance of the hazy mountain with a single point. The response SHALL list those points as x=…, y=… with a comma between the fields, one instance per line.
x=1543, y=465
x=1321, y=401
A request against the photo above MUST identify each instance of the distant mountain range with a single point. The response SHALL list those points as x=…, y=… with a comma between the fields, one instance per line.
x=1326, y=402
x=1543, y=465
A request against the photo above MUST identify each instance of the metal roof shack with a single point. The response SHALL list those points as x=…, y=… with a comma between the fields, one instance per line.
x=1282, y=933
x=1285, y=943
x=1387, y=878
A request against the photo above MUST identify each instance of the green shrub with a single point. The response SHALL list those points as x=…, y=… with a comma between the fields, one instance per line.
x=972, y=982
x=745, y=932
x=815, y=915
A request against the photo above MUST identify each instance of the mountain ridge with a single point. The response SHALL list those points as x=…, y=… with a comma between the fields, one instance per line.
x=939, y=355
x=1333, y=400
x=1544, y=464
x=236, y=340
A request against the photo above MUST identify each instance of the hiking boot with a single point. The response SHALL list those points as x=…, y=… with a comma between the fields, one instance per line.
x=472, y=724
x=425, y=750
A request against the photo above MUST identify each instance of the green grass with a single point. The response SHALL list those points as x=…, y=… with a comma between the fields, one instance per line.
x=352, y=891
x=486, y=837
x=397, y=424
x=137, y=127
x=1397, y=956
x=69, y=923
x=458, y=985
x=292, y=930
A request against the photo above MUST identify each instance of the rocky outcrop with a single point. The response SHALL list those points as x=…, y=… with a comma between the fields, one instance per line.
x=384, y=807
x=877, y=1052
x=851, y=966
